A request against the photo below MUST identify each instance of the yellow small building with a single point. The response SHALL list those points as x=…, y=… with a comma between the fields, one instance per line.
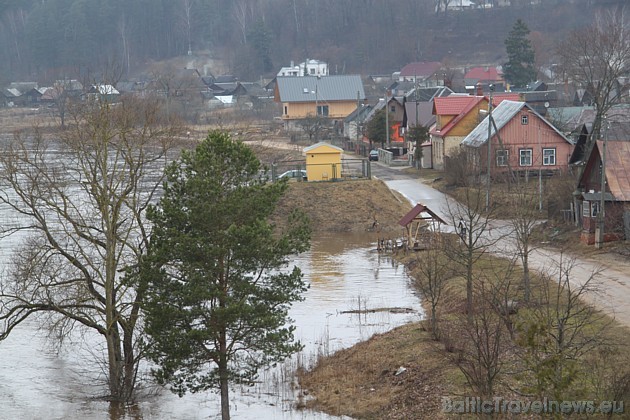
x=323, y=162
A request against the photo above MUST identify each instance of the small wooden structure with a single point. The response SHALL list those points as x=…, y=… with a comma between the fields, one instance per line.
x=323, y=162
x=419, y=214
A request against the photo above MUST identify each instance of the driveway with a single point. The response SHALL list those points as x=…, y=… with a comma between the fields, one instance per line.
x=613, y=274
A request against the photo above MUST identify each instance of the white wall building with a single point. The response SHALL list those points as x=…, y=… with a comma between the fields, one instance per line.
x=313, y=68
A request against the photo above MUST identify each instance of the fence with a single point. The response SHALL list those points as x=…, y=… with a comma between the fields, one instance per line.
x=348, y=169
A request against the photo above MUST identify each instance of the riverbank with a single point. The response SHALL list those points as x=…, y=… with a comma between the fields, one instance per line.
x=404, y=373
x=347, y=206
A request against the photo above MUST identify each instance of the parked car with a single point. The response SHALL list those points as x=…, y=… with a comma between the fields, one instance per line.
x=294, y=174
x=373, y=155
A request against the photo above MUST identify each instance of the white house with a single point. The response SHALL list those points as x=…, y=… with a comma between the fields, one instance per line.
x=455, y=5
x=313, y=68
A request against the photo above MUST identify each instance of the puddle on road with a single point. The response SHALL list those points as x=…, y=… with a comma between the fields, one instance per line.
x=347, y=278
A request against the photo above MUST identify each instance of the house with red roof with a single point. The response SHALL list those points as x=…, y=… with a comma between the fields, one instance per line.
x=483, y=75
x=424, y=74
x=456, y=116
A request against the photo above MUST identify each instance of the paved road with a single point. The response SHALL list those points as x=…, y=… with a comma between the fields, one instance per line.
x=613, y=276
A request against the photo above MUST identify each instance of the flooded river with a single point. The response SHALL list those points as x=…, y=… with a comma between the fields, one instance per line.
x=345, y=273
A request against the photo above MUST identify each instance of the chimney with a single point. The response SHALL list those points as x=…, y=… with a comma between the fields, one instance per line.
x=479, y=89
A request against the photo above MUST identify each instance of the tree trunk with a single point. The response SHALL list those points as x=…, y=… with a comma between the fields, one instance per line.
x=114, y=361
x=434, y=326
x=129, y=381
x=223, y=377
x=469, y=283
x=526, y=275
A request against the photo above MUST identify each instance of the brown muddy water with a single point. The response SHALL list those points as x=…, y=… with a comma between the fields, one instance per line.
x=348, y=280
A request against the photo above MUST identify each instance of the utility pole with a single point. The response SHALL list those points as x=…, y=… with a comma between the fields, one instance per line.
x=542, y=162
x=358, y=115
x=415, y=93
x=387, y=117
x=601, y=215
x=489, y=158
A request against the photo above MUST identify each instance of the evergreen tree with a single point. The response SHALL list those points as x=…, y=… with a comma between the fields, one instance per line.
x=519, y=70
x=418, y=134
x=217, y=294
x=259, y=39
x=376, y=130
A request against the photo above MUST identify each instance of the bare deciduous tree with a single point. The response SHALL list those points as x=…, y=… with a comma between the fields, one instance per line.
x=483, y=342
x=525, y=218
x=596, y=57
x=432, y=272
x=313, y=125
x=559, y=330
x=472, y=224
x=80, y=202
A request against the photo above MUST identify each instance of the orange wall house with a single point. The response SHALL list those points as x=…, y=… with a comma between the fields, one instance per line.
x=330, y=97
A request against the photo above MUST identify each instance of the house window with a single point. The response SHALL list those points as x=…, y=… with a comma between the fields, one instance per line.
x=594, y=209
x=312, y=71
x=322, y=110
x=549, y=157
x=525, y=157
x=392, y=109
x=502, y=157
x=286, y=110
x=524, y=119
x=586, y=209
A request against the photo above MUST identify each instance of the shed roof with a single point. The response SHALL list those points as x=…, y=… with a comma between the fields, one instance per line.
x=323, y=144
x=324, y=89
x=415, y=212
x=501, y=115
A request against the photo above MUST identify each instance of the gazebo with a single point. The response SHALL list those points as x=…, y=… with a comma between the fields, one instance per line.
x=417, y=215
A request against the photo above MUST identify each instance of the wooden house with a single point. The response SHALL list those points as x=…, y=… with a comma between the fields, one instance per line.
x=456, y=116
x=523, y=142
x=616, y=193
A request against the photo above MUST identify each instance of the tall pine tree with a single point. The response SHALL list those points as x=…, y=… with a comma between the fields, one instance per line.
x=217, y=293
x=519, y=70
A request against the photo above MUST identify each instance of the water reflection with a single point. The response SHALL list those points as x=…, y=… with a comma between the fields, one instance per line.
x=345, y=274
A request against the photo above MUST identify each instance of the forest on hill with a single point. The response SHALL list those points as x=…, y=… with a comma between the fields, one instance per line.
x=48, y=39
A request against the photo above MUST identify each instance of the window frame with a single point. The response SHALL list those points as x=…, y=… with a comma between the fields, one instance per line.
x=323, y=110
x=521, y=155
x=524, y=119
x=502, y=155
x=544, y=158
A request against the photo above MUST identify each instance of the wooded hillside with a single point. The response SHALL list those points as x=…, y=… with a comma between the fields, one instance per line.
x=45, y=40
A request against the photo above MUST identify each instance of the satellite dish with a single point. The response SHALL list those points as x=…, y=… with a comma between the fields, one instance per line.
x=546, y=104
